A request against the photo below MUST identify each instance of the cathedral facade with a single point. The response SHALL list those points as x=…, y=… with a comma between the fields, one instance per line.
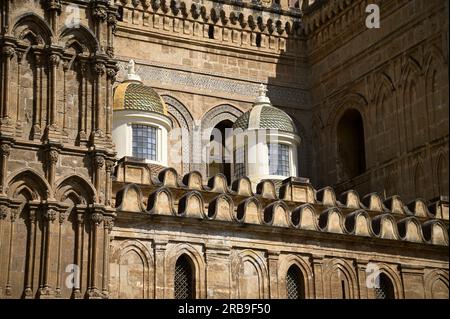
x=223, y=149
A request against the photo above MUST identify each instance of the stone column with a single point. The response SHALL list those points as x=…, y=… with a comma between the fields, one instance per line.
x=108, y=187
x=112, y=25
x=361, y=267
x=62, y=217
x=84, y=103
x=5, y=150
x=13, y=216
x=108, y=225
x=317, y=263
x=18, y=106
x=111, y=78
x=78, y=251
x=37, y=119
x=272, y=260
x=28, y=293
x=54, y=8
x=8, y=52
x=45, y=290
x=99, y=14
x=159, y=280
x=4, y=212
x=100, y=70
x=217, y=272
x=54, y=61
x=93, y=291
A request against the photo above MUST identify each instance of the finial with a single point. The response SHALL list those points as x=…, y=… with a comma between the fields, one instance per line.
x=131, y=69
x=132, y=76
x=262, y=98
x=262, y=90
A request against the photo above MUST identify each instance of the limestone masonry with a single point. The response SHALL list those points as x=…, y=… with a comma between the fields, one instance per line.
x=118, y=177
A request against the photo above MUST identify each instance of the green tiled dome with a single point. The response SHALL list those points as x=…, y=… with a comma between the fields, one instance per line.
x=266, y=117
x=136, y=96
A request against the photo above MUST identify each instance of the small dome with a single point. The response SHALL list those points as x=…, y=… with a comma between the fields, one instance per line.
x=265, y=116
x=134, y=95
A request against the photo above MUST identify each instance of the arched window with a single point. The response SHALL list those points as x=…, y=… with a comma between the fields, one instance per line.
x=385, y=289
x=184, y=285
x=350, y=144
x=220, y=159
x=120, y=13
x=295, y=285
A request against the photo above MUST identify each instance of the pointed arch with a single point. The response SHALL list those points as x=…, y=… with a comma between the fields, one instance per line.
x=32, y=25
x=394, y=277
x=415, y=116
x=31, y=182
x=77, y=185
x=249, y=275
x=185, y=121
x=436, y=284
x=133, y=264
x=221, y=118
x=340, y=278
x=81, y=35
x=436, y=84
x=384, y=121
x=302, y=263
x=195, y=255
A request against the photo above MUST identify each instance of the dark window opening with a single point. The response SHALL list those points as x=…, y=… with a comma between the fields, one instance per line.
x=294, y=283
x=220, y=163
x=211, y=31
x=350, y=145
x=258, y=40
x=184, y=279
x=120, y=14
x=385, y=289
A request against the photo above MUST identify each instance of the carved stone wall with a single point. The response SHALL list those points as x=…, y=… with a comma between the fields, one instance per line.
x=241, y=245
x=56, y=147
x=399, y=85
